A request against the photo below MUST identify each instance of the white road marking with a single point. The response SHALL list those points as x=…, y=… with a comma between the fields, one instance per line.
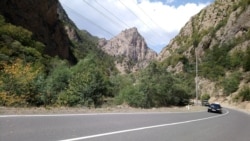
x=142, y=128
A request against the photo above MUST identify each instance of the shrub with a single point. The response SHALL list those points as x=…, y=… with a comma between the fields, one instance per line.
x=244, y=94
x=211, y=71
x=132, y=96
x=205, y=97
x=17, y=33
x=231, y=83
x=246, y=61
x=236, y=59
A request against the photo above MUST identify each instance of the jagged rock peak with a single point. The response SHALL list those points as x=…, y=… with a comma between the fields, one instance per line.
x=128, y=46
x=130, y=33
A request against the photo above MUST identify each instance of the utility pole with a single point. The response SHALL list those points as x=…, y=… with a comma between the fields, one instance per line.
x=196, y=77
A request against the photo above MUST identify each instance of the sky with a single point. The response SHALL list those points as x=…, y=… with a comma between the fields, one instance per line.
x=158, y=21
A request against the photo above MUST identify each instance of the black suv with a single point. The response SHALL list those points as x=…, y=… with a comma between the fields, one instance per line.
x=214, y=107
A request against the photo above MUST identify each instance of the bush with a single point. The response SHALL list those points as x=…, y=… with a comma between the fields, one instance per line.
x=236, y=59
x=244, y=94
x=132, y=96
x=246, y=60
x=205, y=97
x=231, y=83
x=211, y=71
x=155, y=87
x=17, y=33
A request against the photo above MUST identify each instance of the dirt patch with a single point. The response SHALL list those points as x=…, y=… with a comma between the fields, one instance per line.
x=244, y=106
x=82, y=110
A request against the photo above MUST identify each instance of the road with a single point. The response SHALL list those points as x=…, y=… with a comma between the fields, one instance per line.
x=197, y=126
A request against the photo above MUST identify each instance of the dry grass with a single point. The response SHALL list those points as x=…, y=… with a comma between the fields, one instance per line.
x=116, y=109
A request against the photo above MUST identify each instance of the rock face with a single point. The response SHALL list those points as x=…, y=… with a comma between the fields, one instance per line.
x=42, y=18
x=216, y=24
x=225, y=22
x=130, y=50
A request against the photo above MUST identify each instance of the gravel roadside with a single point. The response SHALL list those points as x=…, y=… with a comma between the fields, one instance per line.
x=83, y=110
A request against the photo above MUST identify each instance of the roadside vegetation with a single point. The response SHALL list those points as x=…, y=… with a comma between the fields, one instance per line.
x=30, y=78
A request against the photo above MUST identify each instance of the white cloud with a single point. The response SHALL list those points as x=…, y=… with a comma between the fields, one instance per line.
x=170, y=1
x=158, y=23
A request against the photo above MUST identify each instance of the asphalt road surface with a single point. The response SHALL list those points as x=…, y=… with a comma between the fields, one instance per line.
x=197, y=126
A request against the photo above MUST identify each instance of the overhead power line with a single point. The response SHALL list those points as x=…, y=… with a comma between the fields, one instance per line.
x=150, y=18
x=88, y=20
x=115, y=22
x=100, y=12
x=138, y=17
x=112, y=14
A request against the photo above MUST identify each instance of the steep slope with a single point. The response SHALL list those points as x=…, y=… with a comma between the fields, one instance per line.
x=30, y=31
x=217, y=24
x=130, y=50
x=42, y=18
x=220, y=38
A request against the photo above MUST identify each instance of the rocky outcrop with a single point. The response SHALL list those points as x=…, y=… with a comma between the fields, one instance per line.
x=216, y=24
x=223, y=23
x=130, y=50
x=42, y=18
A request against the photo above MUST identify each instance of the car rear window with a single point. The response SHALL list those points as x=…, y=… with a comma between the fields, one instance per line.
x=215, y=105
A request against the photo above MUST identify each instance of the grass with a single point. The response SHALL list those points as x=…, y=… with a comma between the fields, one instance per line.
x=85, y=110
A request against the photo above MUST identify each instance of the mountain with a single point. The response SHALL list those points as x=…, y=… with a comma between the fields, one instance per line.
x=41, y=18
x=43, y=55
x=219, y=36
x=217, y=39
x=130, y=50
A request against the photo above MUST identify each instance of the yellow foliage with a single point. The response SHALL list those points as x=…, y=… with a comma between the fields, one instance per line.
x=21, y=71
x=11, y=100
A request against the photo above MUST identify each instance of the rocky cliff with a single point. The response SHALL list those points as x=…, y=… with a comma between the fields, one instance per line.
x=218, y=23
x=42, y=17
x=130, y=50
x=215, y=36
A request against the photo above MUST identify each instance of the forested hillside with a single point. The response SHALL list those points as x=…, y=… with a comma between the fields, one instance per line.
x=217, y=38
x=31, y=76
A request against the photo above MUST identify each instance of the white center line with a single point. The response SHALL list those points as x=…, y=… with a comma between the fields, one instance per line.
x=142, y=128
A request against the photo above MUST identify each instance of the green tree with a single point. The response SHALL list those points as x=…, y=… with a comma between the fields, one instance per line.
x=231, y=83
x=244, y=94
x=132, y=96
x=154, y=87
x=88, y=84
x=205, y=97
x=86, y=89
x=246, y=61
x=236, y=59
x=17, y=83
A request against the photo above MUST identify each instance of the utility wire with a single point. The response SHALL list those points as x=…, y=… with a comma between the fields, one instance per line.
x=103, y=14
x=88, y=20
x=150, y=18
x=116, y=23
x=111, y=13
x=137, y=16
